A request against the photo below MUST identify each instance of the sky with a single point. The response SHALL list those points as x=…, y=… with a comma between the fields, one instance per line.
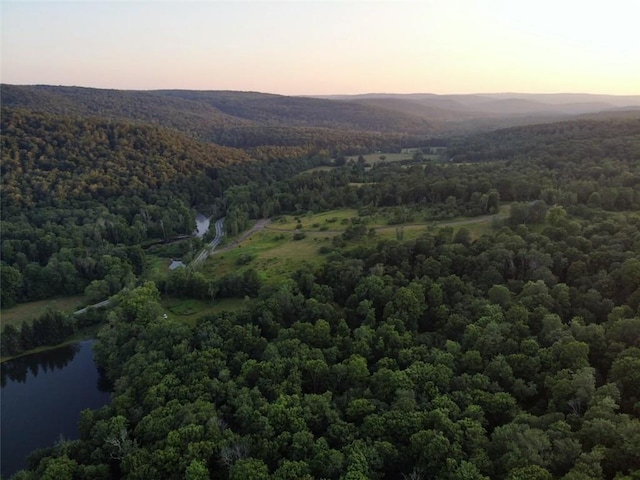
x=326, y=47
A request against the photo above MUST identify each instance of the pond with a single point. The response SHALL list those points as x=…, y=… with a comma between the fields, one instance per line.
x=42, y=397
x=202, y=225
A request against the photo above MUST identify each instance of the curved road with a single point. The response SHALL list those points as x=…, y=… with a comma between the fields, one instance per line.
x=208, y=250
x=264, y=223
x=104, y=303
x=219, y=226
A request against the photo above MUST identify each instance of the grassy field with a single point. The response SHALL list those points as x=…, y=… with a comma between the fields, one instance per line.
x=28, y=311
x=373, y=158
x=339, y=220
x=274, y=254
x=188, y=310
x=156, y=267
x=411, y=218
x=476, y=226
x=333, y=219
x=324, y=168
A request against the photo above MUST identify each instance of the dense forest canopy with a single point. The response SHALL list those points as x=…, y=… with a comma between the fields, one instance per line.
x=510, y=354
x=80, y=192
x=53, y=159
x=514, y=356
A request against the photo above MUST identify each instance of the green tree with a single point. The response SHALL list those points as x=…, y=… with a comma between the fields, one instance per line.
x=249, y=469
x=61, y=468
x=10, y=341
x=530, y=472
x=197, y=470
x=10, y=285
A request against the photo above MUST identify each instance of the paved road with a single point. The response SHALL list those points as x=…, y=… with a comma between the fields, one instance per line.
x=208, y=250
x=219, y=226
x=104, y=303
x=265, y=223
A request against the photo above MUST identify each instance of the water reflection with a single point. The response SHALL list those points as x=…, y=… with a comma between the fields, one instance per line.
x=103, y=383
x=42, y=397
x=17, y=369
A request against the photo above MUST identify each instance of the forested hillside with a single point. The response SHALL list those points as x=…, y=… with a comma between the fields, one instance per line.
x=510, y=352
x=565, y=143
x=81, y=195
x=242, y=119
x=487, y=105
x=48, y=160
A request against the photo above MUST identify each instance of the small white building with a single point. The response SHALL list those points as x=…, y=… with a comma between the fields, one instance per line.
x=176, y=264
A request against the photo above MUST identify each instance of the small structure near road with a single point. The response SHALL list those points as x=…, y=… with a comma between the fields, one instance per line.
x=176, y=264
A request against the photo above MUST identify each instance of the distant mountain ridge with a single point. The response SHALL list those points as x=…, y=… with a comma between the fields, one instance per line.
x=474, y=106
x=251, y=119
x=210, y=115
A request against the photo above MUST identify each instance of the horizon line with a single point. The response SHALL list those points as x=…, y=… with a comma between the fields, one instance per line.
x=316, y=94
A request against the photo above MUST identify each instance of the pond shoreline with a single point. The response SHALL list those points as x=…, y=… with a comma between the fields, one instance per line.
x=43, y=396
x=88, y=333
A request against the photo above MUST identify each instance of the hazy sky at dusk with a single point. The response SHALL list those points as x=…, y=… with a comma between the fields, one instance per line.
x=443, y=46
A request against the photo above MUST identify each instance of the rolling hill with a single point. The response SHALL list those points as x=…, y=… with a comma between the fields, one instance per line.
x=214, y=116
x=50, y=158
x=455, y=112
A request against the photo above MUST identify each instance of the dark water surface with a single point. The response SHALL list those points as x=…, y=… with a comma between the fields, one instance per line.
x=42, y=397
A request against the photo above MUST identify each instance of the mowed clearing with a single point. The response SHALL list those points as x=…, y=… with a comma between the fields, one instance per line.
x=275, y=254
x=373, y=158
x=189, y=311
x=31, y=310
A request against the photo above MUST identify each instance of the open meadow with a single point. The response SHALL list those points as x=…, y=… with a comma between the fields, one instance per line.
x=189, y=310
x=373, y=158
x=290, y=241
x=31, y=310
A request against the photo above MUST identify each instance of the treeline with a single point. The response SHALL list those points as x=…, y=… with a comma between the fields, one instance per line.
x=347, y=141
x=512, y=356
x=272, y=110
x=57, y=247
x=563, y=143
x=57, y=160
x=19, y=368
x=50, y=328
x=191, y=283
x=543, y=166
